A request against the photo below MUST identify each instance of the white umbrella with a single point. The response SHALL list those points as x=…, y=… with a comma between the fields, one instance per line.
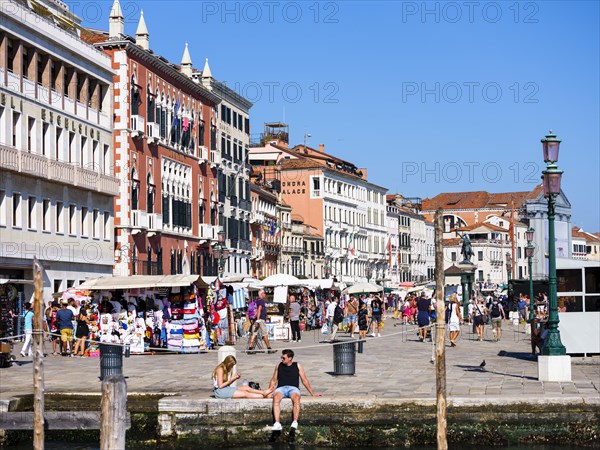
x=280, y=279
x=363, y=288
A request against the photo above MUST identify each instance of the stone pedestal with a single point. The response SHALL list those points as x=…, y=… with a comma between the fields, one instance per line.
x=554, y=368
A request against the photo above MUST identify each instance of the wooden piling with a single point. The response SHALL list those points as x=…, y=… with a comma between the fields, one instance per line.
x=38, y=358
x=113, y=414
x=440, y=349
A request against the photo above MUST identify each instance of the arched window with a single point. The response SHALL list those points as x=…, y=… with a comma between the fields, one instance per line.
x=150, y=193
x=135, y=188
x=135, y=97
x=150, y=105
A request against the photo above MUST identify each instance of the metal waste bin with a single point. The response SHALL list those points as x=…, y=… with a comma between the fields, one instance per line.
x=344, y=358
x=111, y=360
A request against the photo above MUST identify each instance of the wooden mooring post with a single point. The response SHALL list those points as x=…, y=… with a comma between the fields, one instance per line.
x=38, y=358
x=113, y=413
x=440, y=328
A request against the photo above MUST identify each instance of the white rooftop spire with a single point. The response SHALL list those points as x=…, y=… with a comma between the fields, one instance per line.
x=206, y=73
x=142, y=37
x=186, y=62
x=116, y=21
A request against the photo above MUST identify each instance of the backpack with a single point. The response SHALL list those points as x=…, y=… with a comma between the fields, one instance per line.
x=338, y=315
x=252, y=309
x=496, y=310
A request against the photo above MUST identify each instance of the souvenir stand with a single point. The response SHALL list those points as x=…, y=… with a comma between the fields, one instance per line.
x=150, y=312
x=8, y=297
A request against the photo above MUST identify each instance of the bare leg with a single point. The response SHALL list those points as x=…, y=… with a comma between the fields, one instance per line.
x=277, y=406
x=296, y=406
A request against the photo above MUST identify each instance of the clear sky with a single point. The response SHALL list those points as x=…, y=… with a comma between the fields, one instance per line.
x=430, y=97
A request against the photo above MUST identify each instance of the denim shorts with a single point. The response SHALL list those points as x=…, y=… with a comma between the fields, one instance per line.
x=287, y=391
x=226, y=392
x=351, y=317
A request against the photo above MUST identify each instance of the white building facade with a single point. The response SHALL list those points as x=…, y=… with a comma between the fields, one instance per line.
x=393, y=273
x=56, y=185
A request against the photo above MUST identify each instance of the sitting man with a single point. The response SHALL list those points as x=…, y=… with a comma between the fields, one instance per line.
x=538, y=335
x=287, y=378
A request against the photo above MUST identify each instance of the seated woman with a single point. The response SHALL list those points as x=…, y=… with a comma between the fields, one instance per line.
x=223, y=378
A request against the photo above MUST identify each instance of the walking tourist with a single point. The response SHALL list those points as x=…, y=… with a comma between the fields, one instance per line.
x=363, y=320
x=82, y=333
x=497, y=314
x=423, y=308
x=295, y=308
x=376, y=314
x=480, y=318
x=223, y=379
x=351, y=312
x=65, y=327
x=287, y=377
x=28, y=316
x=455, y=320
x=261, y=318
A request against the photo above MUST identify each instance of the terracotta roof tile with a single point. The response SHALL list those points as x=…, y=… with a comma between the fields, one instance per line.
x=577, y=232
x=451, y=242
x=479, y=200
x=92, y=36
x=481, y=224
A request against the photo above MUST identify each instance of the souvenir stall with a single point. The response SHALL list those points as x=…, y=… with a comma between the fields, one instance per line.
x=152, y=312
x=8, y=297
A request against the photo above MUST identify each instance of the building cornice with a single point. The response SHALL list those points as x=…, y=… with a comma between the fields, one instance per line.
x=159, y=64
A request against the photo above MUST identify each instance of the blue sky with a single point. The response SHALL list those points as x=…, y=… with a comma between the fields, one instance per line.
x=429, y=97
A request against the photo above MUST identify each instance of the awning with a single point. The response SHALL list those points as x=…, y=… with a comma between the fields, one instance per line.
x=327, y=283
x=139, y=282
x=239, y=299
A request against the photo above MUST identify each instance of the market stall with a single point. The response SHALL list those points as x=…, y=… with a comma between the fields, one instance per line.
x=145, y=312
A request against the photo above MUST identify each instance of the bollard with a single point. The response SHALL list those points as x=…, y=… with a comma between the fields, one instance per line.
x=360, y=346
x=223, y=353
x=127, y=350
x=111, y=360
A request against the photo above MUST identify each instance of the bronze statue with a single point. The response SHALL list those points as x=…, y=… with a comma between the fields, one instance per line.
x=467, y=249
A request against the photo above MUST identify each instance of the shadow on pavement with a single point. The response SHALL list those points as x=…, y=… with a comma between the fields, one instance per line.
x=525, y=356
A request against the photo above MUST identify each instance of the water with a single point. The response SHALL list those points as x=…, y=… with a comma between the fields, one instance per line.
x=281, y=446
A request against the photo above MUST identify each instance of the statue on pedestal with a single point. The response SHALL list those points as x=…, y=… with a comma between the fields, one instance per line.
x=466, y=250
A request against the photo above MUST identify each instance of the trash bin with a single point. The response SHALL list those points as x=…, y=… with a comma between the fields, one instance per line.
x=344, y=358
x=111, y=360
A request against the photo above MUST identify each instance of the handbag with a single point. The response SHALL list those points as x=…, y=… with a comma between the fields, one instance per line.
x=325, y=329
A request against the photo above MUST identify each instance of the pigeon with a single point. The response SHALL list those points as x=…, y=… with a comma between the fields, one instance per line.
x=482, y=365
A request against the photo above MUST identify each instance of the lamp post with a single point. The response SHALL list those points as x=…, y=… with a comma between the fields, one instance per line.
x=551, y=181
x=221, y=251
x=529, y=250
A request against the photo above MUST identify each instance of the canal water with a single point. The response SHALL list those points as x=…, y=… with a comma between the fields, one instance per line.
x=83, y=446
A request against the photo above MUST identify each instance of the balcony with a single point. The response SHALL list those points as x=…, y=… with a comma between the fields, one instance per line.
x=139, y=221
x=137, y=126
x=291, y=249
x=215, y=158
x=208, y=232
x=203, y=154
x=257, y=217
x=57, y=171
x=152, y=132
x=154, y=223
x=258, y=254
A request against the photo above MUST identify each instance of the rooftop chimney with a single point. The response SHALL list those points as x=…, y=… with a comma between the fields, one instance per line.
x=322, y=148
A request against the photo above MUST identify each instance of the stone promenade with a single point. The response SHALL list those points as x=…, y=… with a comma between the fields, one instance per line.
x=394, y=366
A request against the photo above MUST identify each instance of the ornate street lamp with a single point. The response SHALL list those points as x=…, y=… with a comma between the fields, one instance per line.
x=529, y=251
x=221, y=251
x=551, y=181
